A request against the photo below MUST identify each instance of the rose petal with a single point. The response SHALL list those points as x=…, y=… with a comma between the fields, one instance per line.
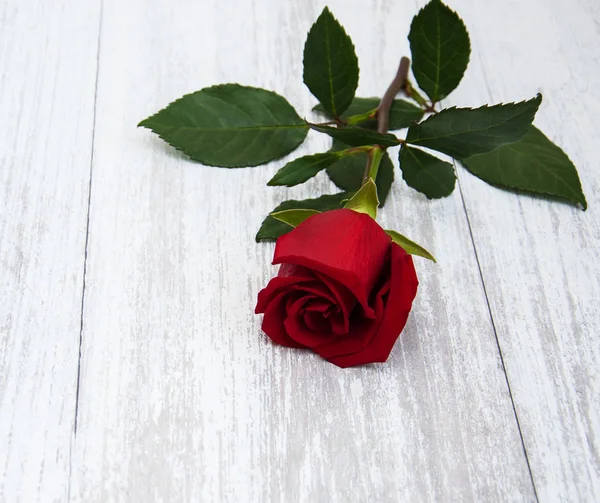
x=319, y=305
x=344, y=298
x=303, y=335
x=299, y=283
x=362, y=331
x=297, y=330
x=403, y=288
x=297, y=271
x=316, y=322
x=273, y=322
x=347, y=246
x=339, y=325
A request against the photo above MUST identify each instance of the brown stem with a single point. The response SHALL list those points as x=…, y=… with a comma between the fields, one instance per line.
x=430, y=108
x=383, y=110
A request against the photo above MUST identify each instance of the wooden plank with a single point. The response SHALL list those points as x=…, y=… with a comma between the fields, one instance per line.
x=182, y=397
x=540, y=259
x=47, y=78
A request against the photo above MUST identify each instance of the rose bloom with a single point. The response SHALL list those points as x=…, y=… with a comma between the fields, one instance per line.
x=344, y=289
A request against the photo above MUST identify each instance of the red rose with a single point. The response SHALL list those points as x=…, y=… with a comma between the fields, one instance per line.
x=344, y=289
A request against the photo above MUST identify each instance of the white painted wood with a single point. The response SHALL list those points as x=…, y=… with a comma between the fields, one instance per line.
x=182, y=398
x=540, y=259
x=47, y=77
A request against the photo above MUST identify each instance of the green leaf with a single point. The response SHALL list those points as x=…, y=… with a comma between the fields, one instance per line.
x=230, y=125
x=365, y=199
x=427, y=174
x=409, y=246
x=463, y=132
x=357, y=137
x=532, y=164
x=440, y=48
x=330, y=64
x=303, y=168
x=271, y=228
x=294, y=217
x=402, y=112
x=347, y=172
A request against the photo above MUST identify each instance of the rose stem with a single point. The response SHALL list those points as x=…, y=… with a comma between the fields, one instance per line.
x=383, y=116
x=397, y=85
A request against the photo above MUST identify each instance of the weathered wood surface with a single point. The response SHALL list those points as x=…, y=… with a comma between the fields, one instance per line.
x=539, y=259
x=175, y=372
x=180, y=396
x=47, y=75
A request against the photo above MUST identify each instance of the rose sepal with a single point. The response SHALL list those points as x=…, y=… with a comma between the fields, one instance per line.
x=365, y=199
x=409, y=246
x=294, y=217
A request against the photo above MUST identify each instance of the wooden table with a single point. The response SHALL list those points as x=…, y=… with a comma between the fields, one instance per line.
x=132, y=367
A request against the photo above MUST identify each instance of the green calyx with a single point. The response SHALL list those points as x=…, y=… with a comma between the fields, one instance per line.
x=365, y=199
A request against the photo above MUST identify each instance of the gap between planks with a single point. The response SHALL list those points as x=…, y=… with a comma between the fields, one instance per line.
x=489, y=309
x=85, y=256
x=78, y=378
x=487, y=301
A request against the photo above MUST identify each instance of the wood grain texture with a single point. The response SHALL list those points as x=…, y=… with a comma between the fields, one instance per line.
x=182, y=398
x=539, y=259
x=47, y=78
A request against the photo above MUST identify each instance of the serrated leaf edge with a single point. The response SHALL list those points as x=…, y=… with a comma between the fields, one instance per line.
x=538, y=98
x=582, y=203
x=409, y=150
x=145, y=124
x=326, y=10
x=438, y=99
